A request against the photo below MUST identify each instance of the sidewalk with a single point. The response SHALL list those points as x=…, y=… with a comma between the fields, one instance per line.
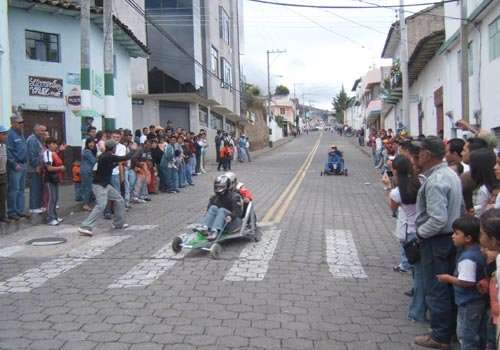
x=68, y=205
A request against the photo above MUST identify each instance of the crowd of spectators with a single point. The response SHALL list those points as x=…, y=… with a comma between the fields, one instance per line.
x=445, y=196
x=160, y=160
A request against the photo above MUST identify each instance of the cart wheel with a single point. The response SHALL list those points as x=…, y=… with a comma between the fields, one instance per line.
x=215, y=251
x=176, y=244
x=257, y=235
x=321, y=173
x=345, y=171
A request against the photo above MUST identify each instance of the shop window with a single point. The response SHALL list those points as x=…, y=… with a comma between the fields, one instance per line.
x=224, y=25
x=495, y=39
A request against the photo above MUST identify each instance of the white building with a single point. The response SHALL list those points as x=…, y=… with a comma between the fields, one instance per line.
x=484, y=64
x=45, y=67
x=425, y=71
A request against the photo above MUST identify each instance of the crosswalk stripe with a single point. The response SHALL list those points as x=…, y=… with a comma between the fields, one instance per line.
x=253, y=261
x=342, y=255
x=148, y=271
x=35, y=277
x=8, y=251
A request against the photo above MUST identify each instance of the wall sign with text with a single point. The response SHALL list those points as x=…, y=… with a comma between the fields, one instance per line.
x=45, y=87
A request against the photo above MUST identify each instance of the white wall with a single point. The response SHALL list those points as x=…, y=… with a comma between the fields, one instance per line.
x=483, y=84
x=69, y=37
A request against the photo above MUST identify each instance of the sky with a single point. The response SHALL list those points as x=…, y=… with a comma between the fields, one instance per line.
x=325, y=48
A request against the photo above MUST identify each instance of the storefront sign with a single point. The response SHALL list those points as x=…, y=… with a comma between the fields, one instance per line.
x=45, y=87
x=138, y=101
x=73, y=78
x=98, y=84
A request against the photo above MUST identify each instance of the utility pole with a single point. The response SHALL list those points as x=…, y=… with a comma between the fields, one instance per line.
x=269, y=80
x=5, y=83
x=109, y=99
x=464, y=43
x=269, y=92
x=86, y=95
x=404, y=66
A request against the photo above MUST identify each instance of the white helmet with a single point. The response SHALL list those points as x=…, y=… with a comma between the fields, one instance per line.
x=232, y=180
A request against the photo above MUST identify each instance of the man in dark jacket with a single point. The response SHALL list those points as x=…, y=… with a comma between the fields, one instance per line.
x=224, y=209
x=103, y=190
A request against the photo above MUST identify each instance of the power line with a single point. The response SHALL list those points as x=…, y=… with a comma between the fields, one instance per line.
x=412, y=12
x=346, y=7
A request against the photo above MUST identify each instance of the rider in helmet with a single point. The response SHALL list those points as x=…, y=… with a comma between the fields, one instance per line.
x=232, y=180
x=334, y=159
x=224, y=206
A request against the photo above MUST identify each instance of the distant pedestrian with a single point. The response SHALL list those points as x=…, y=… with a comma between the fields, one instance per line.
x=218, y=139
x=247, y=149
x=54, y=170
x=35, y=145
x=77, y=181
x=3, y=173
x=16, y=168
x=101, y=186
x=86, y=167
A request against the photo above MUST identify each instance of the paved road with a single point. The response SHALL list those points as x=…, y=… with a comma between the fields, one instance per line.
x=321, y=278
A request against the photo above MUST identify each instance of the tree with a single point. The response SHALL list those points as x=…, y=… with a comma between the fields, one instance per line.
x=281, y=90
x=340, y=103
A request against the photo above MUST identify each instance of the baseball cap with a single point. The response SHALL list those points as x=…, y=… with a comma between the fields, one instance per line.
x=16, y=118
x=110, y=143
x=433, y=144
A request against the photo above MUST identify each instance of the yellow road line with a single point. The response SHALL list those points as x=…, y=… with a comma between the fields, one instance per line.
x=281, y=198
x=290, y=197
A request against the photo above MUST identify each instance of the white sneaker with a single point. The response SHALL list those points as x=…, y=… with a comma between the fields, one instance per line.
x=43, y=209
x=57, y=207
x=117, y=228
x=60, y=219
x=36, y=211
x=85, y=231
x=201, y=228
x=141, y=201
x=53, y=223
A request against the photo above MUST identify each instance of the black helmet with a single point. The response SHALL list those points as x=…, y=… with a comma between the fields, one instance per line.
x=221, y=185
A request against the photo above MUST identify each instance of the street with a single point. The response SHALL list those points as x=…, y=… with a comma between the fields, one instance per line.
x=320, y=278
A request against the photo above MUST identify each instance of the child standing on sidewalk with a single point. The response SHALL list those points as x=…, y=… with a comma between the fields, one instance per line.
x=77, y=181
x=470, y=270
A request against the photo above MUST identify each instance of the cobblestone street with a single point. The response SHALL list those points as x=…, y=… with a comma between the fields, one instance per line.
x=321, y=278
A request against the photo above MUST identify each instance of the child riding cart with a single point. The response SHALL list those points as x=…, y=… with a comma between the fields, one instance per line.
x=335, y=164
x=228, y=216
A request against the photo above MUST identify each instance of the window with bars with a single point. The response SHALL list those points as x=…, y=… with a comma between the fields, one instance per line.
x=42, y=46
x=224, y=25
x=495, y=39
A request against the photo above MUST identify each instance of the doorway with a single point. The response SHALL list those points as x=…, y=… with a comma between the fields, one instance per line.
x=54, y=121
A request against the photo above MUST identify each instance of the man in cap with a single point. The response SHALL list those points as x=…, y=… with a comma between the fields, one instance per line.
x=34, y=145
x=3, y=173
x=104, y=191
x=439, y=204
x=17, y=157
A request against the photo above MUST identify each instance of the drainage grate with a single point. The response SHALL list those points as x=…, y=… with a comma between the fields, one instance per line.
x=46, y=241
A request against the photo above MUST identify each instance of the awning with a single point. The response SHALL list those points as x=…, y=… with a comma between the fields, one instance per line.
x=423, y=53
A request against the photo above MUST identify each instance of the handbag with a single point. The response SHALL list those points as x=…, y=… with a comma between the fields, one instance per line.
x=412, y=251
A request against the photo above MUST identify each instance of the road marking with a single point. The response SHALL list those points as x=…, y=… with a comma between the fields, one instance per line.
x=148, y=271
x=254, y=259
x=302, y=173
x=35, y=277
x=8, y=251
x=267, y=217
x=342, y=255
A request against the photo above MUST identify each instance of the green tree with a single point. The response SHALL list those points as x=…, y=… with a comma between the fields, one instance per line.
x=281, y=90
x=340, y=103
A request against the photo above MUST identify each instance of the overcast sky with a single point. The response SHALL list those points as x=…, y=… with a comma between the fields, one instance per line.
x=324, y=48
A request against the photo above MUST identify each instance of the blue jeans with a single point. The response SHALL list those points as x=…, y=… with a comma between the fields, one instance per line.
x=404, y=264
x=87, y=188
x=181, y=175
x=78, y=192
x=15, y=191
x=216, y=219
x=35, y=183
x=115, y=183
x=162, y=186
x=437, y=256
x=418, y=308
x=189, y=173
x=170, y=178
x=470, y=323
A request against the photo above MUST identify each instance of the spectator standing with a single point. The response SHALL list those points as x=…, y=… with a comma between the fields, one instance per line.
x=86, y=167
x=242, y=149
x=3, y=173
x=468, y=184
x=54, y=170
x=101, y=186
x=77, y=181
x=16, y=168
x=439, y=204
x=470, y=270
x=247, y=149
x=187, y=157
x=34, y=144
x=218, y=139
x=482, y=163
x=85, y=127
